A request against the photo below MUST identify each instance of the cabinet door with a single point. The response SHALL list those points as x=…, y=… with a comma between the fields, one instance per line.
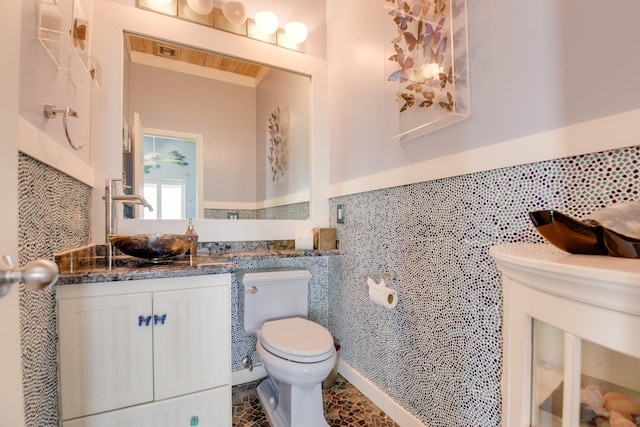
x=211, y=408
x=192, y=343
x=105, y=353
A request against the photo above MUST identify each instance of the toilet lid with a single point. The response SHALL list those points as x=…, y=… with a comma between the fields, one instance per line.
x=297, y=339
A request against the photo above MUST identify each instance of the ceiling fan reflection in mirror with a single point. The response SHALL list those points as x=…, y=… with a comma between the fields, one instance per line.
x=153, y=159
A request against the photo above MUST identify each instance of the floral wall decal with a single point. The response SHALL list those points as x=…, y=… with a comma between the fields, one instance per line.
x=278, y=144
x=425, y=66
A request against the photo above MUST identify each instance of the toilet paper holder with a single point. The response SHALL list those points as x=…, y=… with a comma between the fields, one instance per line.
x=383, y=275
x=380, y=293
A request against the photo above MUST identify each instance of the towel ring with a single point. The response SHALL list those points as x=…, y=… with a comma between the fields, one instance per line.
x=52, y=112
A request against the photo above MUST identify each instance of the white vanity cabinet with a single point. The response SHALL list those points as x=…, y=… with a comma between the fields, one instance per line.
x=159, y=348
x=571, y=338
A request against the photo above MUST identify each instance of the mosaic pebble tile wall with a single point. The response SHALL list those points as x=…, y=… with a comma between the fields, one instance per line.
x=438, y=353
x=241, y=343
x=293, y=211
x=223, y=213
x=54, y=214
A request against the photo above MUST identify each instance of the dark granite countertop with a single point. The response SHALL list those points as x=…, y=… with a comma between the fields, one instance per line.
x=95, y=269
x=88, y=265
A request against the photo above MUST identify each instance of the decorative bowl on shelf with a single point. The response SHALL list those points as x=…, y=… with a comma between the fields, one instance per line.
x=620, y=245
x=567, y=233
x=587, y=237
x=153, y=246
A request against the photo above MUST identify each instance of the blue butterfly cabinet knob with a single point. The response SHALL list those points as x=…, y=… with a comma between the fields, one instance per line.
x=144, y=320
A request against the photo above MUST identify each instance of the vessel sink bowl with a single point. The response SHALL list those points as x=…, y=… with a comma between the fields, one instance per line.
x=153, y=246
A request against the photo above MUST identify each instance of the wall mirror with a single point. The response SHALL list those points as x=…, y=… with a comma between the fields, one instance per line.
x=213, y=136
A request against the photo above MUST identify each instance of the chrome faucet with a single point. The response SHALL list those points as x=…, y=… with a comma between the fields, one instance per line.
x=110, y=197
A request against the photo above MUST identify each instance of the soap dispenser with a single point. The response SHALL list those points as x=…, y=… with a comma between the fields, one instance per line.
x=193, y=250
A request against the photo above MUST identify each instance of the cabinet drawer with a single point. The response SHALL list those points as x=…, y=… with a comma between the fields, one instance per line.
x=210, y=408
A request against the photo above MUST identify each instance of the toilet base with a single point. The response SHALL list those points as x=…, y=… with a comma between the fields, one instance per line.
x=291, y=406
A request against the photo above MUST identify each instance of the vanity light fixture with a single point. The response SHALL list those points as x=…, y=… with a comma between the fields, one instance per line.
x=234, y=12
x=201, y=7
x=231, y=16
x=296, y=31
x=266, y=21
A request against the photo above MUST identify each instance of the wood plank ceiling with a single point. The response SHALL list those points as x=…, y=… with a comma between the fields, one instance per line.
x=191, y=55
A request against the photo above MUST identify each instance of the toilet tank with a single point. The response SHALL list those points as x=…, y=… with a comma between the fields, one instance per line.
x=272, y=294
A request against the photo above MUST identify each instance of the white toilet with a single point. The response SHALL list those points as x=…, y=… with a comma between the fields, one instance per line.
x=297, y=353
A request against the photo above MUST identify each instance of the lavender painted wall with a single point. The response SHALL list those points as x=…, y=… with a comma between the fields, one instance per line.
x=290, y=91
x=43, y=82
x=534, y=66
x=223, y=113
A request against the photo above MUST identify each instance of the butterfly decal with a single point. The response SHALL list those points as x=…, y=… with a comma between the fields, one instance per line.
x=412, y=40
x=79, y=35
x=447, y=105
x=431, y=33
x=402, y=17
x=428, y=99
x=421, y=8
x=446, y=78
x=439, y=6
x=437, y=55
x=144, y=320
x=415, y=87
x=405, y=63
x=159, y=319
x=408, y=98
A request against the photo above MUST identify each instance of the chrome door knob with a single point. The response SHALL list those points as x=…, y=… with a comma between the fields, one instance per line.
x=36, y=274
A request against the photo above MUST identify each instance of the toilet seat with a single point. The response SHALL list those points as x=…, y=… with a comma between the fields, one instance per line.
x=297, y=339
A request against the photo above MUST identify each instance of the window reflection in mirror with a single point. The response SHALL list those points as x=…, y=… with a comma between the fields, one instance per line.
x=254, y=123
x=170, y=176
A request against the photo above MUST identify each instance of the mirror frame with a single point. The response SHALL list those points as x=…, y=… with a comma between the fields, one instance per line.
x=107, y=111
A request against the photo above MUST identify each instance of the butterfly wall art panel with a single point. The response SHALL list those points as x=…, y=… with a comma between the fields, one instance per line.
x=426, y=66
x=278, y=144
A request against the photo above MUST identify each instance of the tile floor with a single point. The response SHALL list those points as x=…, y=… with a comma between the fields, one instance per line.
x=344, y=405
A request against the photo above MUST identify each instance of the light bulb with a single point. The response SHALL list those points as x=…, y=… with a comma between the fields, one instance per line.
x=266, y=21
x=234, y=12
x=201, y=7
x=296, y=31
